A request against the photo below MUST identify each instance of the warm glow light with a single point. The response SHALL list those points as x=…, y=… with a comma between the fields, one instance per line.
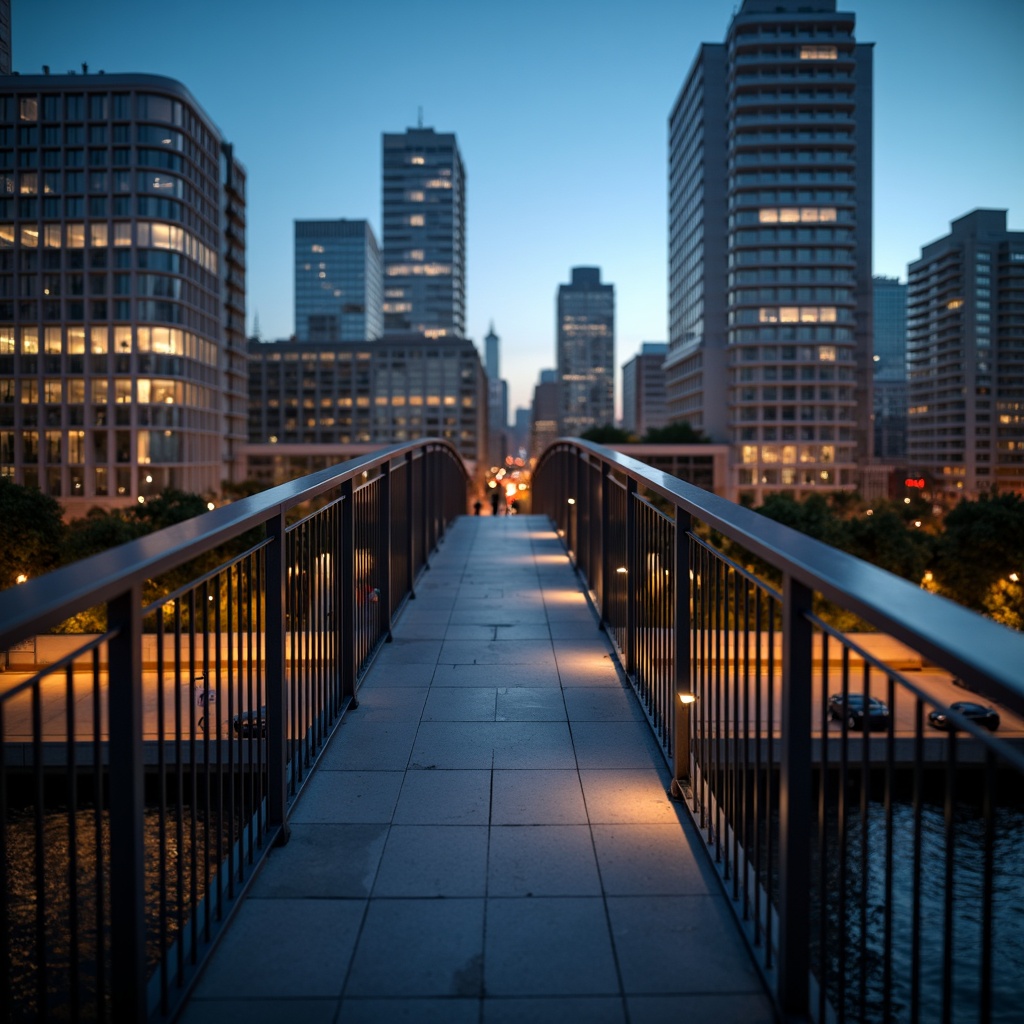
x=142, y=500
x=210, y=506
x=572, y=501
x=687, y=698
x=21, y=578
x=870, y=512
x=917, y=523
x=928, y=577
x=622, y=569
x=906, y=501
x=1014, y=578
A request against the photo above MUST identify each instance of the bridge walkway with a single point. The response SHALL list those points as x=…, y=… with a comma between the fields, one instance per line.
x=488, y=837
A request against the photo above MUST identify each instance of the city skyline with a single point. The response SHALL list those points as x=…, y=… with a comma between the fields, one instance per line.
x=565, y=147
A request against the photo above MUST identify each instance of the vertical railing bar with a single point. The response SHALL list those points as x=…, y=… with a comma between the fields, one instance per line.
x=948, y=876
x=72, y=867
x=988, y=890
x=276, y=674
x=916, y=875
x=128, y=932
x=795, y=797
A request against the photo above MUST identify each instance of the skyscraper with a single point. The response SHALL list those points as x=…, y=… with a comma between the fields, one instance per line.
x=643, y=389
x=122, y=290
x=497, y=399
x=770, y=247
x=424, y=224
x=890, y=369
x=586, y=352
x=338, y=281
x=965, y=358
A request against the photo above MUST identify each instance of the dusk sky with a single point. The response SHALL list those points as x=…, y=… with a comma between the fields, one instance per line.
x=561, y=112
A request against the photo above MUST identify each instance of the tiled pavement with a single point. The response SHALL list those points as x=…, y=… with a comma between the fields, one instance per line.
x=488, y=838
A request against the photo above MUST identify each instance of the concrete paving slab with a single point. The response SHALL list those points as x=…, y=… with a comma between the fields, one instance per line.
x=530, y=704
x=361, y=744
x=460, y=704
x=349, y=797
x=444, y=798
x=542, y=860
x=556, y=1010
x=434, y=861
x=538, y=797
x=420, y=947
x=323, y=861
x=549, y=946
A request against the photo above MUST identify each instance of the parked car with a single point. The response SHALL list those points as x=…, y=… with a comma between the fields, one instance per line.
x=986, y=716
x=251, y=723
x=855, y=708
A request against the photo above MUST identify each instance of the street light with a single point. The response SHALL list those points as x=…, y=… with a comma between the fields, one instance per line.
x=681, y=746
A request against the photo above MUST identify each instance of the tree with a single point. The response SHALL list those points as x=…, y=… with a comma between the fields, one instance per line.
x=98, y=531
x=31, y=533
x=982, y=542
x=883, y=539
x=608, y=435
x=675, y=433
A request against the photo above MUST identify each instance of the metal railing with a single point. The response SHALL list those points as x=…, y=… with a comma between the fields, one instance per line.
x=148, y=768
x=875, y=864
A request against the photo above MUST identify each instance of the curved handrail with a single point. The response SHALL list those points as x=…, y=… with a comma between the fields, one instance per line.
x=961, y=641
x=40, y=603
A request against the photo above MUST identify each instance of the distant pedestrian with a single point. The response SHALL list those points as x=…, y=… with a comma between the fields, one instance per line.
x=495, y=498
x=477, y=505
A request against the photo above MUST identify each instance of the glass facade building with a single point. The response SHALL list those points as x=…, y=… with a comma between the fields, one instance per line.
x=122, y=290
x=965, y=359
x=424, y=240
x=586, y=352
x=338, y=281
x=770, y=248
x=890, y=369
x=397, y=389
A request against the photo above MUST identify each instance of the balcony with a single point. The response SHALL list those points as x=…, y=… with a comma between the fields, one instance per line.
x=448, y=768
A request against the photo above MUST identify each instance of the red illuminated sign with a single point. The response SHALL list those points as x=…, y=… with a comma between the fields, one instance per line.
x=913, y=481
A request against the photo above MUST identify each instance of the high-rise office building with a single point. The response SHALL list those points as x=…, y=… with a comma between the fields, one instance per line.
x=965, y=358
x=424, y=241
x=497, y=399
x=890, y=369
x=545, y=411
x=770, y=247
x=338, y=281
x=122, y=290
x=310, y=397
x=643, y=389
x=586, y=352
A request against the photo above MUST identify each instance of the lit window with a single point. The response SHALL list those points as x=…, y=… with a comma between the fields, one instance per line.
x=827, y=353
x=414, y=196
x=316, y=248
x=416, y=220
x=819, y=53
x=416, y=160
x=954, y=303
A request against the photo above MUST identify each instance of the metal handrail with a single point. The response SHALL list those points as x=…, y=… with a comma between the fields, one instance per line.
x=281, y=632
x=753, y=698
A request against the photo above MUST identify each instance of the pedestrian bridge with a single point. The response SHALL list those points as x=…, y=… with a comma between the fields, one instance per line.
x=488, y=836
x=578, y=762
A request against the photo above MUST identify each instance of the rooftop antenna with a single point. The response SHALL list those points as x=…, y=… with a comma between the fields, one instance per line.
x=419, y=122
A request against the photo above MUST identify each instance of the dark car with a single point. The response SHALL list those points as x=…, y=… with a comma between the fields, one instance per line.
x=855, y=708
x=988, y=717
x=251, y=723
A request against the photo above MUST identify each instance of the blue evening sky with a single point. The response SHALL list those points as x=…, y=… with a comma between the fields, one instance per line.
x=560, y=108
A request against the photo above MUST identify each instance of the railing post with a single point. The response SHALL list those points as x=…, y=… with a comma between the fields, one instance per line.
x=348, y=589
x=606, y=555
x=277, y=675
x=385, y=533
x=424, y=510
x=681, y=654
x=571, y=514
x=795, y=804
x=127, y=865
x=410, y=574
x=631, y=577
x=597, y=530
